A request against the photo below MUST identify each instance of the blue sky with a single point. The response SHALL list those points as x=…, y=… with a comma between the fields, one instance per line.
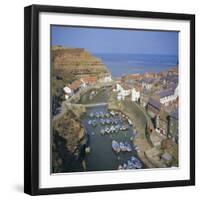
x=99, y=40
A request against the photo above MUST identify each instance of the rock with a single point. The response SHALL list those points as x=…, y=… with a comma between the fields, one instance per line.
x=166, y=157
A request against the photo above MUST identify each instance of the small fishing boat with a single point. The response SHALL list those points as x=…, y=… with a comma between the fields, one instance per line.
x=137, y=163
x=94, y=123
x=129, y=121
x=90, y=122
x=115, y=146
x=122, y=146
x=130, y=165
x=112, y=113
x=107, y=130
x=128, y=147
x=91, y=114
x=101, y=114
x=97, y=115
x=107, y=115
x=102, y=131
x=112, y=129
x=124, y=166
x=107, y=121
x=102, y=121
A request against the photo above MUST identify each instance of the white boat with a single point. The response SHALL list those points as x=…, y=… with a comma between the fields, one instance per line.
x=112, y=129
x=102, y=121
x=91, y=114
x=115, y=146
x=129, y=121
x=122, y=146
x=128, y=147
x=102, y=131
x=137, y=163
x=90, y=122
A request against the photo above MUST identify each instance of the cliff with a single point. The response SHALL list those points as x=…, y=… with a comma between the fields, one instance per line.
x=68, y=144
x=76, y=62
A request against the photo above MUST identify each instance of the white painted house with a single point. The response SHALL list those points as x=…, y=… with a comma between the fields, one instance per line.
x=105, y=79
x=135, y=94
x=169, y=95
x=123, y=91
x=68, y=92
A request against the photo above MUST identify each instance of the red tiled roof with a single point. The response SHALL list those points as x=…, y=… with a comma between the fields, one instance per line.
x=90, y=79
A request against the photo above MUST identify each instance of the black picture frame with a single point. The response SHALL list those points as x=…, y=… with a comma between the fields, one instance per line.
x=31, y=98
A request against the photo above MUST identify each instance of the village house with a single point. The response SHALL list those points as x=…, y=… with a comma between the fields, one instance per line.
x=147, y=83
x=123, y=91
x=135, y=94
x=106, y=79
x=68, y=92
x=169, y=79
x=89, y=80
x=173, y=125
x=72, y=88
x=76, y=85
x=169, y=95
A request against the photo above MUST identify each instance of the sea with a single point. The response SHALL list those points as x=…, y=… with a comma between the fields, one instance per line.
x=124, y=64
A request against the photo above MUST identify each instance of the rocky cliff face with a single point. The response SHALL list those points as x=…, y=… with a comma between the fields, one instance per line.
x=68, y=144
x=76, y=62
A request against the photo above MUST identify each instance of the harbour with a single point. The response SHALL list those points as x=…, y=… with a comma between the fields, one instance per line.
x=104, y=128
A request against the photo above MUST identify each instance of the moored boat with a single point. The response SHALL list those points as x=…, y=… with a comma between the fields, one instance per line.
x=115, y=146
x=137, y=163
x=122, y=146
x=128, y=147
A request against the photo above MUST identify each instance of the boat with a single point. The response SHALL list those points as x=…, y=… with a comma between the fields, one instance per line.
x=91, y=114
x=102, y=121
x=137, y=163
x=107, y=115
x=115, y=146
x=130, y=165
x=112, y=113
x=102, y=131
x=129, y=121
x=124, y=166
x=112, y=129
x=101, y=114
x=97, y=115
x=107, y=130
x=128, y=147
x=94, y=123
x=90, y=122
x=107, y=121
x=122, y=146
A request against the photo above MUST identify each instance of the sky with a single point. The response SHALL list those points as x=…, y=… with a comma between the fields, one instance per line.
x=100, y=40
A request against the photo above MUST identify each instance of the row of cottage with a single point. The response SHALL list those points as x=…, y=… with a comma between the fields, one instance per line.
x=84, y=82
x=159, y=97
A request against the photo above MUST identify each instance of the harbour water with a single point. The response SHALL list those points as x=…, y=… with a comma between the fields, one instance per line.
x=102, y=156
x=123, y=64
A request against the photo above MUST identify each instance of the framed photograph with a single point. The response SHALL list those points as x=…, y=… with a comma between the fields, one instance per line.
x=109, y=100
